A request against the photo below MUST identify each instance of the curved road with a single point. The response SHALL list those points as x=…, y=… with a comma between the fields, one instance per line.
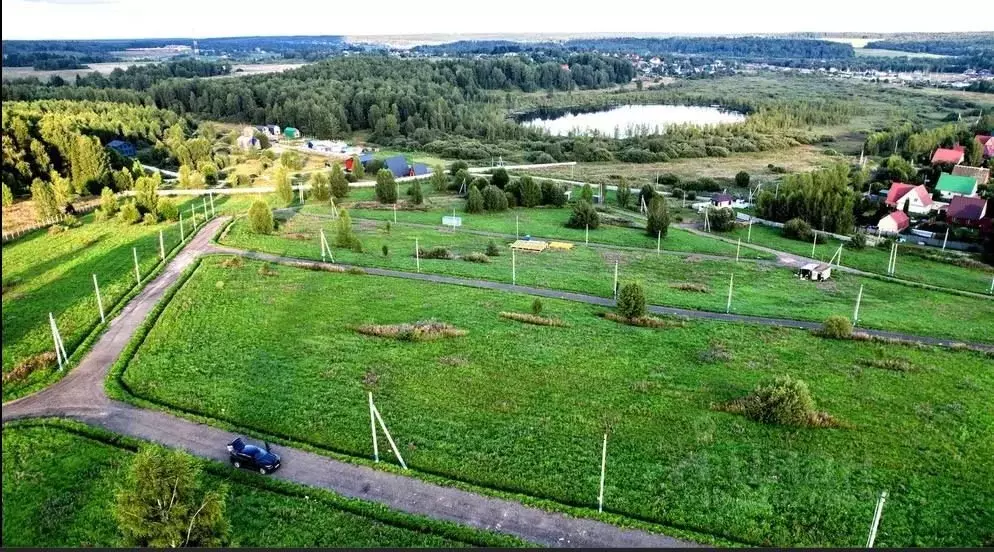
x=80, y=395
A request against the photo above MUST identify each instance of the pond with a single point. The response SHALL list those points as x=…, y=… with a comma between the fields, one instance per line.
x=627, y=120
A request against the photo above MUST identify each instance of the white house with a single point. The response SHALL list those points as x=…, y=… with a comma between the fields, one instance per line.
x=894, y=223
x=815, y=272
x=248, y=142
x=915, y=199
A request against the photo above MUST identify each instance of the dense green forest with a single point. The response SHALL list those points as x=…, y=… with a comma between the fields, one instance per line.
x=953, y=46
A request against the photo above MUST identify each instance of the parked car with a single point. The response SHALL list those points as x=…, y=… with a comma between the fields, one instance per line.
x=252, y=457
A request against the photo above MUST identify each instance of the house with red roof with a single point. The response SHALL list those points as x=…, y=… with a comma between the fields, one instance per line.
x=987, y=142
x=915, y=199
x=894, y=223
x=952, y=156
x=966, y=211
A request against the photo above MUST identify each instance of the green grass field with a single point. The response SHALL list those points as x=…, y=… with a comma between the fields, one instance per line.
x=874, y=259
x=759, y=289
x=523, y=408
x=59, y=483
x=45, y=273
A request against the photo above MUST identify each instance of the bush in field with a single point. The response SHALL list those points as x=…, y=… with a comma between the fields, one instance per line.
x=417, y=197
x=337, y=183
x=358, y=171
x=537, y=306
x=494, y=199
x=129, y=213
x=44, y=199
x=499, y=178
x=385, y=250
x=645, y=195
x=858, y=241
x=784, y=401
x=458, y=166
x=480, y=183
x=513, y=188
x=438, y=179
x=460, y=179
x=587, y=193
x=386, y=187
x=659, y=217
x=260, y=217
x=292, y=160
x=797, y=229
x=167, y=209
x=162, y=503
x=553, y=194
x=492, y=249
x=344, y=234
x=836, y=327
x=742, y=179
x=284, y=189
x=584, y=216
x=150, y=219
x=123, y=180
x=474, y=203
x=531, y=192
x=435, y=253
x=631, y=301
x=722, y=220
x=476, y=258
x=320, y=189
x=108, y=202
x=8, y=196
x=512, y=200
x=624, y=194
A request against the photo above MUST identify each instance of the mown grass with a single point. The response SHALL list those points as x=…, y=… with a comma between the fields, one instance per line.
x=874, y=259
x=45, y=273
x=523, y=408
x=58, y=491
x=759, y=289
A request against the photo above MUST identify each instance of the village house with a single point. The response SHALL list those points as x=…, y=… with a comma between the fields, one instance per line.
x=722, y=200
x=952, y=156
x=950, y=186
x=271, y=131
x=988, y=144
x=980, y=174
x=894, y=223
x=364, y=159
x=966, y=211
x=907, y=197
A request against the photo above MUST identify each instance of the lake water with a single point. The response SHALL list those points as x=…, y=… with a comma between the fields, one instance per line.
x=629, y=120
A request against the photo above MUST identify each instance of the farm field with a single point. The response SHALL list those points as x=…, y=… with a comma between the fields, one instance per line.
x=759, y=289
x=875, y=259
x=523, y=408
x=53, y=273
x=59, y=486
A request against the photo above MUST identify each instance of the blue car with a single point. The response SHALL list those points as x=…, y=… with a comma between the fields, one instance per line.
x=244, y=455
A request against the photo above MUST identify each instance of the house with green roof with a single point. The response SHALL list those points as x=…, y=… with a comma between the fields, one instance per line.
x=951, y=185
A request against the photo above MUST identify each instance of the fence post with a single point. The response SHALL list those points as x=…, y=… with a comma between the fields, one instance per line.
x=138, y=274
x=100, y=303
x=876, y=519
x=162, y=247
x=728, y=305
x=600, y=496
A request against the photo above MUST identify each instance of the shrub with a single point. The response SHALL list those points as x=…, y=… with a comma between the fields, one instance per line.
x=100, y=216
x=494, y=199
x=631, y=301
x=284, y=189
x=645, y=195
x=553, y=194
x=358, y=170
x=458, y=166
x=422, y=330
x=531, y=192
x=476, y=258
x=356, y=246
x=46, y=206
x=479, y=182
x=584, y=216
x=499, y=178
x=435, y=253
x=492, y=249
x=691, y=195
x=320, y=190
x=512, y=200
x=474, y=203
x=586, y=193
x=150, y=219
x=624, y=195
x=537, y=306
x=784, y=401
x=797, y=229
x=260, y=217
x=344, y=234
x=438, y=179
x=858, y=241
x=108, y=202
x=742, y=179
x=659, y=217
x=386, y=250
x=417, y=197
x=386, y=187
x=129, y=213
x=460, y=179
x=337, y=183
x=836, y=327
x=722, y=220
x=534, y=319
x=167, y=209
x=8, y=196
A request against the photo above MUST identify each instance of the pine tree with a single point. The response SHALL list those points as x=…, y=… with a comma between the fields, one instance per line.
x=319, y=186
x=339, y=184
x=474, y=203
x=417, y=197
x=386, y=187
x=284, y=189
x=438, y=179
x=659, y=217
x=358, y=171
x=44, y=200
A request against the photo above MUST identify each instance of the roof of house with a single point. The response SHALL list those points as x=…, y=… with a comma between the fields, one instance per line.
x=420, y=169
x=968, y=208
x=900, y=219
x=722, y=197
x=397, y=165
x=820, y=267
x=897, y=191
x=959, y=148
x=966, y=185
x=983, y=138
x=943, y=155
x=979, y=173
x=904, y=189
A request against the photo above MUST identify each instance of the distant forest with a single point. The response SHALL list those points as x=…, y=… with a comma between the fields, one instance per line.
x=974, y=46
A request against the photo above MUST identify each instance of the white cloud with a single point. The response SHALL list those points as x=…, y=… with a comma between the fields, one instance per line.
x=27, y=19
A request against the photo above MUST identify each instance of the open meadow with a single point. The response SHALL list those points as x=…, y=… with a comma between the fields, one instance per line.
x=523, y=408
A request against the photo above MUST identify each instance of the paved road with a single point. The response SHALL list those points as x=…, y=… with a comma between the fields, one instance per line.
x=80, y=395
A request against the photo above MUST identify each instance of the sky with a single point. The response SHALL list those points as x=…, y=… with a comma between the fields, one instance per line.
x=90, y=19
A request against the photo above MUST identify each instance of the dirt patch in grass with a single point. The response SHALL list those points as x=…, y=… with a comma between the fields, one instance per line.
x=693, y=259
x=233, y=262
x=453, y=360
x=376, y=205
x=534, y=319
x=422, y=330
x=370, y=378
x=300, y=236
x=828, y=285
x=644, y=321
x=715, y=352
x=475, y=258
x=643, y=386
x=26, y=367
x=894, y=364
x=690, y=286
x=267, y=270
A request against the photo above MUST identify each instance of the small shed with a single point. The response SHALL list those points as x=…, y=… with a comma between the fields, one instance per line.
x=291, y=133
x=816, y=272
x=722, y=200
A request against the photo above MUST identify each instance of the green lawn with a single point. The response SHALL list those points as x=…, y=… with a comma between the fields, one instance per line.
x=59, y=483
x=524, y=408
x=53, y=273
x=875, y=259
x=759, y=289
